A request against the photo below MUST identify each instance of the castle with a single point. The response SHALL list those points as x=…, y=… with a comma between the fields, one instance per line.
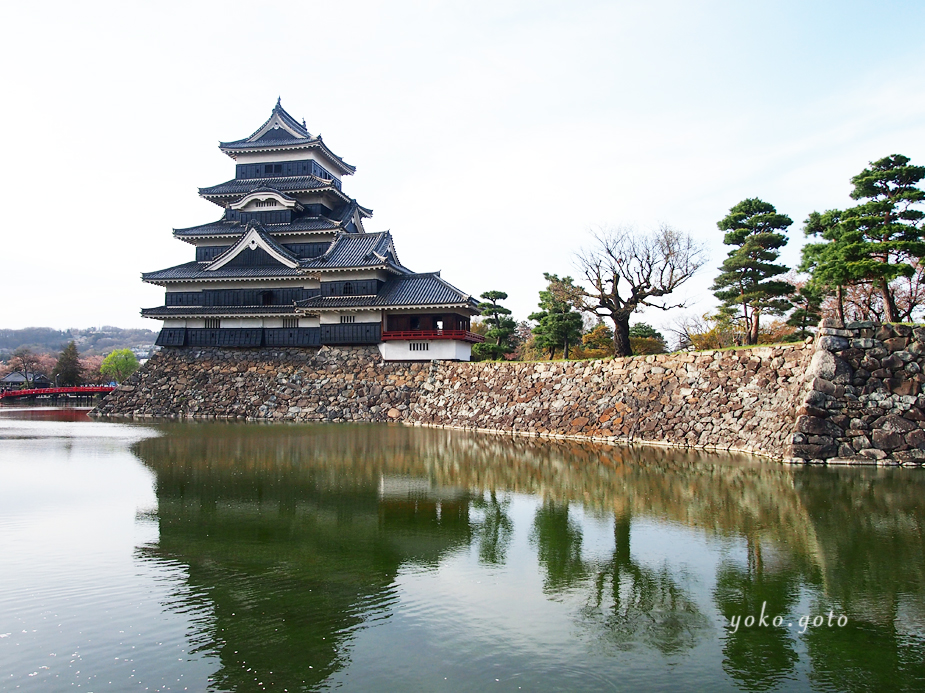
x=290, y=264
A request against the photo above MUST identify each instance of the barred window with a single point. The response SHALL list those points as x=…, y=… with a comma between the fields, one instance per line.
x=344, y=319
x=419, y=346
x=213, y=323
x=290, y=322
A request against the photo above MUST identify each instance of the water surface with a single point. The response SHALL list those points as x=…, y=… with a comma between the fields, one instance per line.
x=223, y=557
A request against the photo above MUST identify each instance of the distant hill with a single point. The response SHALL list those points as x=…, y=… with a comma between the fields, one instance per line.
x=89, y=341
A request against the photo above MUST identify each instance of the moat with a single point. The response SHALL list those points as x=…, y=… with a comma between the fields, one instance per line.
x=242, y=557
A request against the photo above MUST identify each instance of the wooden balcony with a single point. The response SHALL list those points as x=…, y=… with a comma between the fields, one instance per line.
x=461, y=335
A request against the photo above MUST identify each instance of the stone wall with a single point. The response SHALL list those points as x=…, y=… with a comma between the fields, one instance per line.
x=741, y=400
x=326, y=384
x=861, y=401
x=852, y=397
x=736, y=399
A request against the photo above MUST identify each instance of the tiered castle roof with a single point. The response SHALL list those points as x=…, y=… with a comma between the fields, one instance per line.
x=286, y=218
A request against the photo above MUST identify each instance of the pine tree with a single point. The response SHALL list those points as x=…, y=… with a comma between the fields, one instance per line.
x=886, y=232
x=559, y=327
x=808, y=313
x=500, y=328
x=67, y=370
x=747, y=274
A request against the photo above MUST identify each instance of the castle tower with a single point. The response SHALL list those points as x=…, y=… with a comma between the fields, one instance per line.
x=290, y=263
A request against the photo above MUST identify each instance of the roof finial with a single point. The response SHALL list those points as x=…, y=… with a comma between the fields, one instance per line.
x=278, y=99
x=304, y=126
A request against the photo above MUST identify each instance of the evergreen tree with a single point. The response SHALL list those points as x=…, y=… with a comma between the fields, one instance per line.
x=828, y=261
x=500, y=328
x=886, y=231
x=747, y=274
x=559, y=327
x=647, y=340
x=808, y=313
x=67, y=370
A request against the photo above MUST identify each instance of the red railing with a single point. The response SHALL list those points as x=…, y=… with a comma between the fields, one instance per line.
x=81, y=390
x=462, y=335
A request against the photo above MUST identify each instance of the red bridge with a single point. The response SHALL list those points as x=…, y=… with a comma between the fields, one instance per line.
x=80, y=390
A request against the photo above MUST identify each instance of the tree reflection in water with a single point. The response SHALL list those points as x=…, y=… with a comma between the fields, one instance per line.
x=495, y=529
x=632, y=603
x=295, y=536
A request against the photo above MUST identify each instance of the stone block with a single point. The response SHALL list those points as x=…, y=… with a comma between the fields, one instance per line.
x=901, y=386
x=885, y=332
x=887, y=440
x=916, y=439
x=896, y=343
x=812, y=425
x=812, y=452
x=833, y=343
x=873, y=453
x=862, y=343
x=824, y=386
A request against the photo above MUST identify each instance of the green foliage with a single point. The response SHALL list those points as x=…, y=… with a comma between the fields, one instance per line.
x=597, y=342
x=873, y=243
x=808, y=309
x=559, y=326
x=67, y=370
x=119, y=365
x=885, y=231
x=501, y=327
x=747, y=274
x=647, y=340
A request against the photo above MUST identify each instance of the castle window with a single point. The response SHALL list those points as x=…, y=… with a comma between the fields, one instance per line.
x=265, y=203
x=213, y=323
x=348, y=289
x=290, y=322
x=344, y=319
x=419, y=346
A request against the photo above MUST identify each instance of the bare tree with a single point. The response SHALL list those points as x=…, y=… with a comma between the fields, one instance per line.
x=27, y=363
x=626, y=270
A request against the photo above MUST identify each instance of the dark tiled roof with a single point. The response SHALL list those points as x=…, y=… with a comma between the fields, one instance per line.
x=281, y=138
x=265, y=237
x=289, y=184
x=222, y=227
x=358, y=250
x=405, y=291
x=182, y=311
x=195, y=271
x=283, y=114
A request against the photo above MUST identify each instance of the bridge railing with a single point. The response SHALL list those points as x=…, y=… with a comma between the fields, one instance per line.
x=79, y=390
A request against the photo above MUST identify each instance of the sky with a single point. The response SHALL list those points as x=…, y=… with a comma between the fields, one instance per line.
x=490, y=137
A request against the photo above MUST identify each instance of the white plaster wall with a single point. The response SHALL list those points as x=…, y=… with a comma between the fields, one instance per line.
x=361, y=316
x=272, y=322
x=196, y=323
x=174, y=322
x=440, y=350
x=309, y=322
x=242, y=322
